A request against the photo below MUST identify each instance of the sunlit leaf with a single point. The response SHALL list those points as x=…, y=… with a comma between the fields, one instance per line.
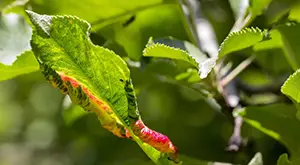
x=25, y=63
x=242, y=39
x=96, y=79
x=291, y=86
x=181, y=50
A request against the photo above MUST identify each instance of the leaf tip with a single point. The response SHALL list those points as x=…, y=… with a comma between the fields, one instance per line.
x=41, y=22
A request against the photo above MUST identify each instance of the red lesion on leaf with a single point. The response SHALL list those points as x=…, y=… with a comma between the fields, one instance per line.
x=76, y=84
x=155, y=139
x=111, y=123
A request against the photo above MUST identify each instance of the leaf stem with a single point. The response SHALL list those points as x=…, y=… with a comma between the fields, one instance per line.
x=243, y=65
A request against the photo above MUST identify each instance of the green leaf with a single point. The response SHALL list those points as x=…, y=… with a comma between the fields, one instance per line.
x=25, y=63
x=278, y=121
x=291, y=86
x=181, y=50
x=256, y=160
x=103, y=13
x=242, y=39
x=290, y=36
x=96, y=79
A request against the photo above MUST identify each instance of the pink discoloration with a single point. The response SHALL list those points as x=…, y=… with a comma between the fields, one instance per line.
x=155, y=139
x=92, y=97
x=73, y=82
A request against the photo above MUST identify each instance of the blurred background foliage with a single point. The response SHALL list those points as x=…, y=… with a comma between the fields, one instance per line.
x=38, y=126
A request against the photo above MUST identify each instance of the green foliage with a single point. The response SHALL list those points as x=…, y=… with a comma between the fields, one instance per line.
x=182, y=90
x=290, y=34
x=242, y=39
x=25, y=63
x=181, y=50
x=274, y=121
x=107, y=12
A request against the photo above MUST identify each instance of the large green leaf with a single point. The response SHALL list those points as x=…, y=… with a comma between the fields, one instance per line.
x=181, y=50
x=242, y=39
x=278, y=121
x=96, y=79
x=25, y=63
x=291, y=86
x=98, y=12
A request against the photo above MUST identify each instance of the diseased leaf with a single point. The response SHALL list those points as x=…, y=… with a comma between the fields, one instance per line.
x=181, y=50
x=278, y=121
x=96, y=79
x=291, y=86
x=25, y=63
x=242, y=39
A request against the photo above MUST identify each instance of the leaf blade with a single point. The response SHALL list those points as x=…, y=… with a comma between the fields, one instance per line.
x=94, y=77
x=242, y=39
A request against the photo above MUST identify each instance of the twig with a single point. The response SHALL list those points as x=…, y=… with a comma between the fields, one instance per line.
x=209, y=44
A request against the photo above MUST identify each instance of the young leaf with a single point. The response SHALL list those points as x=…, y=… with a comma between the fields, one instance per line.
x=25, y=63
x=278, y=121
x=242, y=39
x=181, y=50
x=96, y=79
x=291, y=86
